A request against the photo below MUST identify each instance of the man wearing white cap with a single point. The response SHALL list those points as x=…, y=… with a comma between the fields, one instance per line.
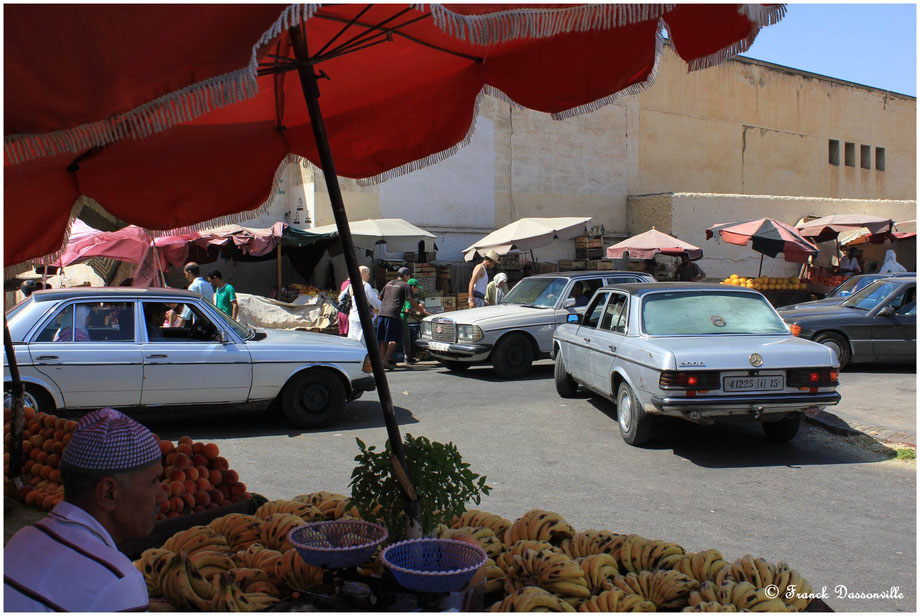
x=69, y=560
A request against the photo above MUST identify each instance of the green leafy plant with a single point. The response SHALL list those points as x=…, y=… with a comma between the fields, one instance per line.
x=442, y=480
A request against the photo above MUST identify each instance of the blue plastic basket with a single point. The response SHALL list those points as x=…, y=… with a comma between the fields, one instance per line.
x=434, y=565
x=337, y=544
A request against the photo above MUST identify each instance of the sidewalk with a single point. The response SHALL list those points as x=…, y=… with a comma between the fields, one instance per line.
x=880, y=404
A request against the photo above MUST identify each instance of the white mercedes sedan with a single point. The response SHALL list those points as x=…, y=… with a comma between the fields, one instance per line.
x=88, y=348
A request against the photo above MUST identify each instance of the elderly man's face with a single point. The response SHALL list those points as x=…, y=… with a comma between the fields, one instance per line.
x=136, y=504
x=189, y=276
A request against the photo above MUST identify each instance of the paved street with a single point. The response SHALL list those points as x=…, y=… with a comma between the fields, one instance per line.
x=838, y=511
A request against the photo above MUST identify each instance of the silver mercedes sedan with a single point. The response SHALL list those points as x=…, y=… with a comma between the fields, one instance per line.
x=87, y=348
x=701, y=352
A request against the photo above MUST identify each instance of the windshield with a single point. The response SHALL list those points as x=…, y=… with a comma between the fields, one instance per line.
x=542, y=292
x=869, y=298
x=852, y=286
x=243, y=332
x=692, y=313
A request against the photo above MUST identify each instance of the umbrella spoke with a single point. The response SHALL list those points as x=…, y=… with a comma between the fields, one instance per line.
x=370, y=29
x=350, y=23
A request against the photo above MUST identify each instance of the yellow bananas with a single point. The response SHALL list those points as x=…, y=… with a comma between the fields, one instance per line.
x=590, y=542
x=296, y=573
x=482, y=519
x=484, y=536
x=639, y=554
x=539, y=525
x=531, y=599
x=305, y=511
x=598, y=568
x=707, y=565
x=668, y=590
x=616, y=601
x=275, y=528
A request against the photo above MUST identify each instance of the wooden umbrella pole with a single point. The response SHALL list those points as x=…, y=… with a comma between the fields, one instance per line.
x=17, y=419
x=278, y=259
x=760, y=271
x=311, y=94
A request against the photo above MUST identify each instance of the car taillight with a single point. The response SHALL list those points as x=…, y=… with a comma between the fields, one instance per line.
x=367, y=365
x=672, y=379
x=812, y=377
x=795, y=329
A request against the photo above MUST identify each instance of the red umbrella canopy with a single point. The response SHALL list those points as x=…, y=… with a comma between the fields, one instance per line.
x=767, y=236
x=827, y=228
x=172, y=115
x=647, y=245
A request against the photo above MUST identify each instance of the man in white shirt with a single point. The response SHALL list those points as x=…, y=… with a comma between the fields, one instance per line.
x=196, y=284
x=849, y=265
x=69, y=560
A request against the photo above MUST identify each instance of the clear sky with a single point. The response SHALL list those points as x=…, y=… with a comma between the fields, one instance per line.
x=871, y=44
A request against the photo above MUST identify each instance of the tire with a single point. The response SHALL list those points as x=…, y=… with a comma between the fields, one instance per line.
x=313, y=397
x=512, y=357
x=784, y=429
x=566, y=386
x=455, y=366
x=635, y=424
x=35, y=397
x=836, y=343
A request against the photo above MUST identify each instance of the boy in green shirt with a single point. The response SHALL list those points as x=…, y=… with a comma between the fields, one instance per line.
x=224, y=295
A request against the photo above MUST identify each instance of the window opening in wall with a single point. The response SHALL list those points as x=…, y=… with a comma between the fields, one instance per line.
x=849, y=154
x=833, y=151
x=865, y=156
x=880, y=159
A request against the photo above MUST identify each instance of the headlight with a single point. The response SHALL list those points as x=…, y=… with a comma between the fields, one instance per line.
x=468, y=333
x=426, y=329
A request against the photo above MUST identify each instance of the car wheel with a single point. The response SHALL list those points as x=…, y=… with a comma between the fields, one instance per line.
x=313, y=397
x=35, y=397
x=512, y=357
x=837, y=344
x=784, y=429
x=566, y=386
x=455, y=366
x=635, y=424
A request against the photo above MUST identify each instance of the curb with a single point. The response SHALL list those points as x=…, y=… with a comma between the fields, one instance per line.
x=835, y=425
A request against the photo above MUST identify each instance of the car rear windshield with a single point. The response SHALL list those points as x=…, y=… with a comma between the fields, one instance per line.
x=690, y=313
x=542, y=292
x=868, y=298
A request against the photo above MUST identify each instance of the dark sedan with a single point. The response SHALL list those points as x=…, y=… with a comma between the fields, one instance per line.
x=877, y=323
x=847, y=288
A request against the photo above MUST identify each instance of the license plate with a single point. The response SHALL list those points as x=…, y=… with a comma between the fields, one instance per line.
x=439, y=346
x=753, y=383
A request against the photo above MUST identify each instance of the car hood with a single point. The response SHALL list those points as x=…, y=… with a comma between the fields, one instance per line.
x=498, y=316
x=289, y=338
x=730, y=352
x=834, y=301
x=820, y=311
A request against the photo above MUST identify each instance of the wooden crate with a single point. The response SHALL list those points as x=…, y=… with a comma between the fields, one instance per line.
x=565, y=265
x=449, y=302
x=579, y=265
x=546, y=268
x=512, y=260
x=604, y=265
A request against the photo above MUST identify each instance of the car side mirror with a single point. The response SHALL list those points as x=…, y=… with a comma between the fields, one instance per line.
x=887, y=311
x=569, y=303
x=573, y=318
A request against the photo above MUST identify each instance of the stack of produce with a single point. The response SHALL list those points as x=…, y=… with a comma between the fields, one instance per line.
x=240, y=562
x=44, y=438
x=828, y=281
x=766, y=283
x=195, y=477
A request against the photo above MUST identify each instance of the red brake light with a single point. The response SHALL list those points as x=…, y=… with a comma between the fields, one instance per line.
x=812, y=377
x=696, y=380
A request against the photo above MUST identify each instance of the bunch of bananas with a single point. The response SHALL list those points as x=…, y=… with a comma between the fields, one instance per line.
x=709, y=606
x=531, y=599
x=482, y=519
x=229, y=597
x=495, y=577
x=598, y=569
x=484, y=536
x=707, y=565
x=296, y=573
x=549, y=569
x=539, y=525
x=761, y=574
x=257, y=556
x=332, y=505
x=639, y=554
x=239, y=529
x=743, y=596
x=304, y=511
x=274, y=531
x=590, y=542
x=151, y=564
x=210, y=564
x=197, y=539
x=616, y=601
x=507, y=560
x=668, y=590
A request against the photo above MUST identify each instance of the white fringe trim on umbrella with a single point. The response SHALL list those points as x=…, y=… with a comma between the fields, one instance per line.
x=759, y=16
x=162, y=113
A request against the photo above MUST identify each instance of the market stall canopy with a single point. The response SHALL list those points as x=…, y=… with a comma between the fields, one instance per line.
x=768, y=236
x=202, y=116
x=647, y=245
x=828, y=228
x=864, y=236
x=527, y=234
x=399, y=235
x=257, y=242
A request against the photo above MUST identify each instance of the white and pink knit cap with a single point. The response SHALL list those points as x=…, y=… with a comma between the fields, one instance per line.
x=107, y=440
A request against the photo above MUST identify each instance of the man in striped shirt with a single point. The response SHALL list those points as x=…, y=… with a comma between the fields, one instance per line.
x=69, y=561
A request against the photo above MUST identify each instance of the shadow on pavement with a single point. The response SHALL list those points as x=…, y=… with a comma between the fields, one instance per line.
x=484, y=372
x=228, y=422
x=745, y=445
x=880, y=369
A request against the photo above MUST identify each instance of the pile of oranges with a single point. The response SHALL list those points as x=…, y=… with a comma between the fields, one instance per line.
x=765, y=283
x=195, y=476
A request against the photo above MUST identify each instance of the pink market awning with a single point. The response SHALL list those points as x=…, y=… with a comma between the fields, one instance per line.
x=647, y=245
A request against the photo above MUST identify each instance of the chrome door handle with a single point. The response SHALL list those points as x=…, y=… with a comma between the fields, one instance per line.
x=586, y=339
x=152, y=355
x=612, y=347
x=41, y=357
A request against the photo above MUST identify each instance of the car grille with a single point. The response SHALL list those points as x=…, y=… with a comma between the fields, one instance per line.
x=443, y=331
